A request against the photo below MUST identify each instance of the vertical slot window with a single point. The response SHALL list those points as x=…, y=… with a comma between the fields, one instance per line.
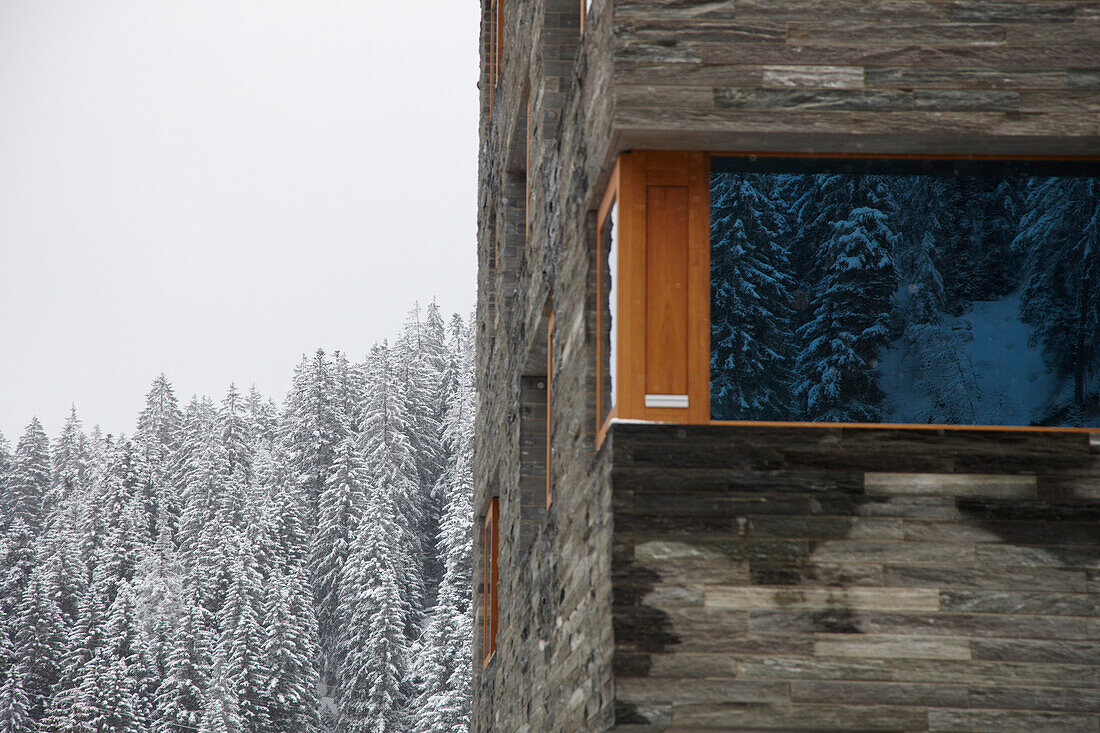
x=491, y=579
x=607, y=253
x=549, y=406
x=496, y=45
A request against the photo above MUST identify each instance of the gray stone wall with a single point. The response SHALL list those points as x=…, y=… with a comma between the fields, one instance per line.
x=855, y=579
x=552, y=667
x=894, y=76
x=899, y=76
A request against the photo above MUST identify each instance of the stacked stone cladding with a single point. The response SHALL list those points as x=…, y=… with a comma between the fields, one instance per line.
x=815, y=578
x=998, y=77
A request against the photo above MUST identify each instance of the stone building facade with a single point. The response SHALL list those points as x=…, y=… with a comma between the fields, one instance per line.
x=669, y=574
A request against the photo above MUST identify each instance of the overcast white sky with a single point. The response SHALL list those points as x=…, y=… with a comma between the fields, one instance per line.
x=212, y=188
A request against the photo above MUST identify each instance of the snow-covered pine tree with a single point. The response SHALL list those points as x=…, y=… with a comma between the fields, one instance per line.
x=181, y=696
x=119, y=661
x=290, y=655
x=442, y=670
x=69, y=460
x=160, y=420
x=263, y=418
x=374, y=647
x=159, y=601
x=232, y=424
x=15, y=712
x=283, y=511
x=420, y=361
x=60, y=558
x=348, y=395
x=29, y=480
x=837, y=366
x=240, y=646
x=40, y=642
x=17, y=562
x=201, y=535
x=124, y=522
x=341, y=506
x=388, y=452
x=750, y=302
x=311, y=428
x=5, y=471
x=159, y=431
x=1060, y=237
x=83, y=640
x=220, y=712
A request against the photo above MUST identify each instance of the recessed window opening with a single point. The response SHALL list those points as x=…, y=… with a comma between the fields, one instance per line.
x=948, y=292
x=549, y=408
x=534, y=430
x=490, y=579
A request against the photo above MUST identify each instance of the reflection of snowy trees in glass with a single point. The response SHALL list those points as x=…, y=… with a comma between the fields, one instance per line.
x=1060, y=235
x=851, y=302
x=749, y=270
x=905, y=298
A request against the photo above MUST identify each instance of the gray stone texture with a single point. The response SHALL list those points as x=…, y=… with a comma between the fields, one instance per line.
x=890, y=619
x=756, y=578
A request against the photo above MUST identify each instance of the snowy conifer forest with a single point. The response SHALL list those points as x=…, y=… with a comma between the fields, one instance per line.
x=234, y=565
x=944, y=299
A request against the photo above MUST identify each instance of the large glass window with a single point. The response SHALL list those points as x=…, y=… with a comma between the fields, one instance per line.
x=905, y=291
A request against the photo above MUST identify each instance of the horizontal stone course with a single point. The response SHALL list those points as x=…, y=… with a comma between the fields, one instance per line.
x=1002, y=721
x=881, y=693
x=891, y=647
x=732, y=716
x=891, y=599
x=948, y=484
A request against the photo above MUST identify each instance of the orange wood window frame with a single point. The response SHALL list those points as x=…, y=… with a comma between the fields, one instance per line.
x=663, y=291
x=662, y=334
x=490, y=579
x=549, y=404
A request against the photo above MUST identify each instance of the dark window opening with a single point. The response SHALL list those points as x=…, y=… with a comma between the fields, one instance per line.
x=534, y=432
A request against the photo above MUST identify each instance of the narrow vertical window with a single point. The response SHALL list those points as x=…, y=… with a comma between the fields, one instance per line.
x=549, y=404
x=534, y=431
x=496, y=45
x=491, y=577
x=586, y=8
x=607, y=253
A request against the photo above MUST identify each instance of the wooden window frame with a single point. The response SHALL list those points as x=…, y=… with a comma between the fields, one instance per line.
x=490, y=580
x=637, y=357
